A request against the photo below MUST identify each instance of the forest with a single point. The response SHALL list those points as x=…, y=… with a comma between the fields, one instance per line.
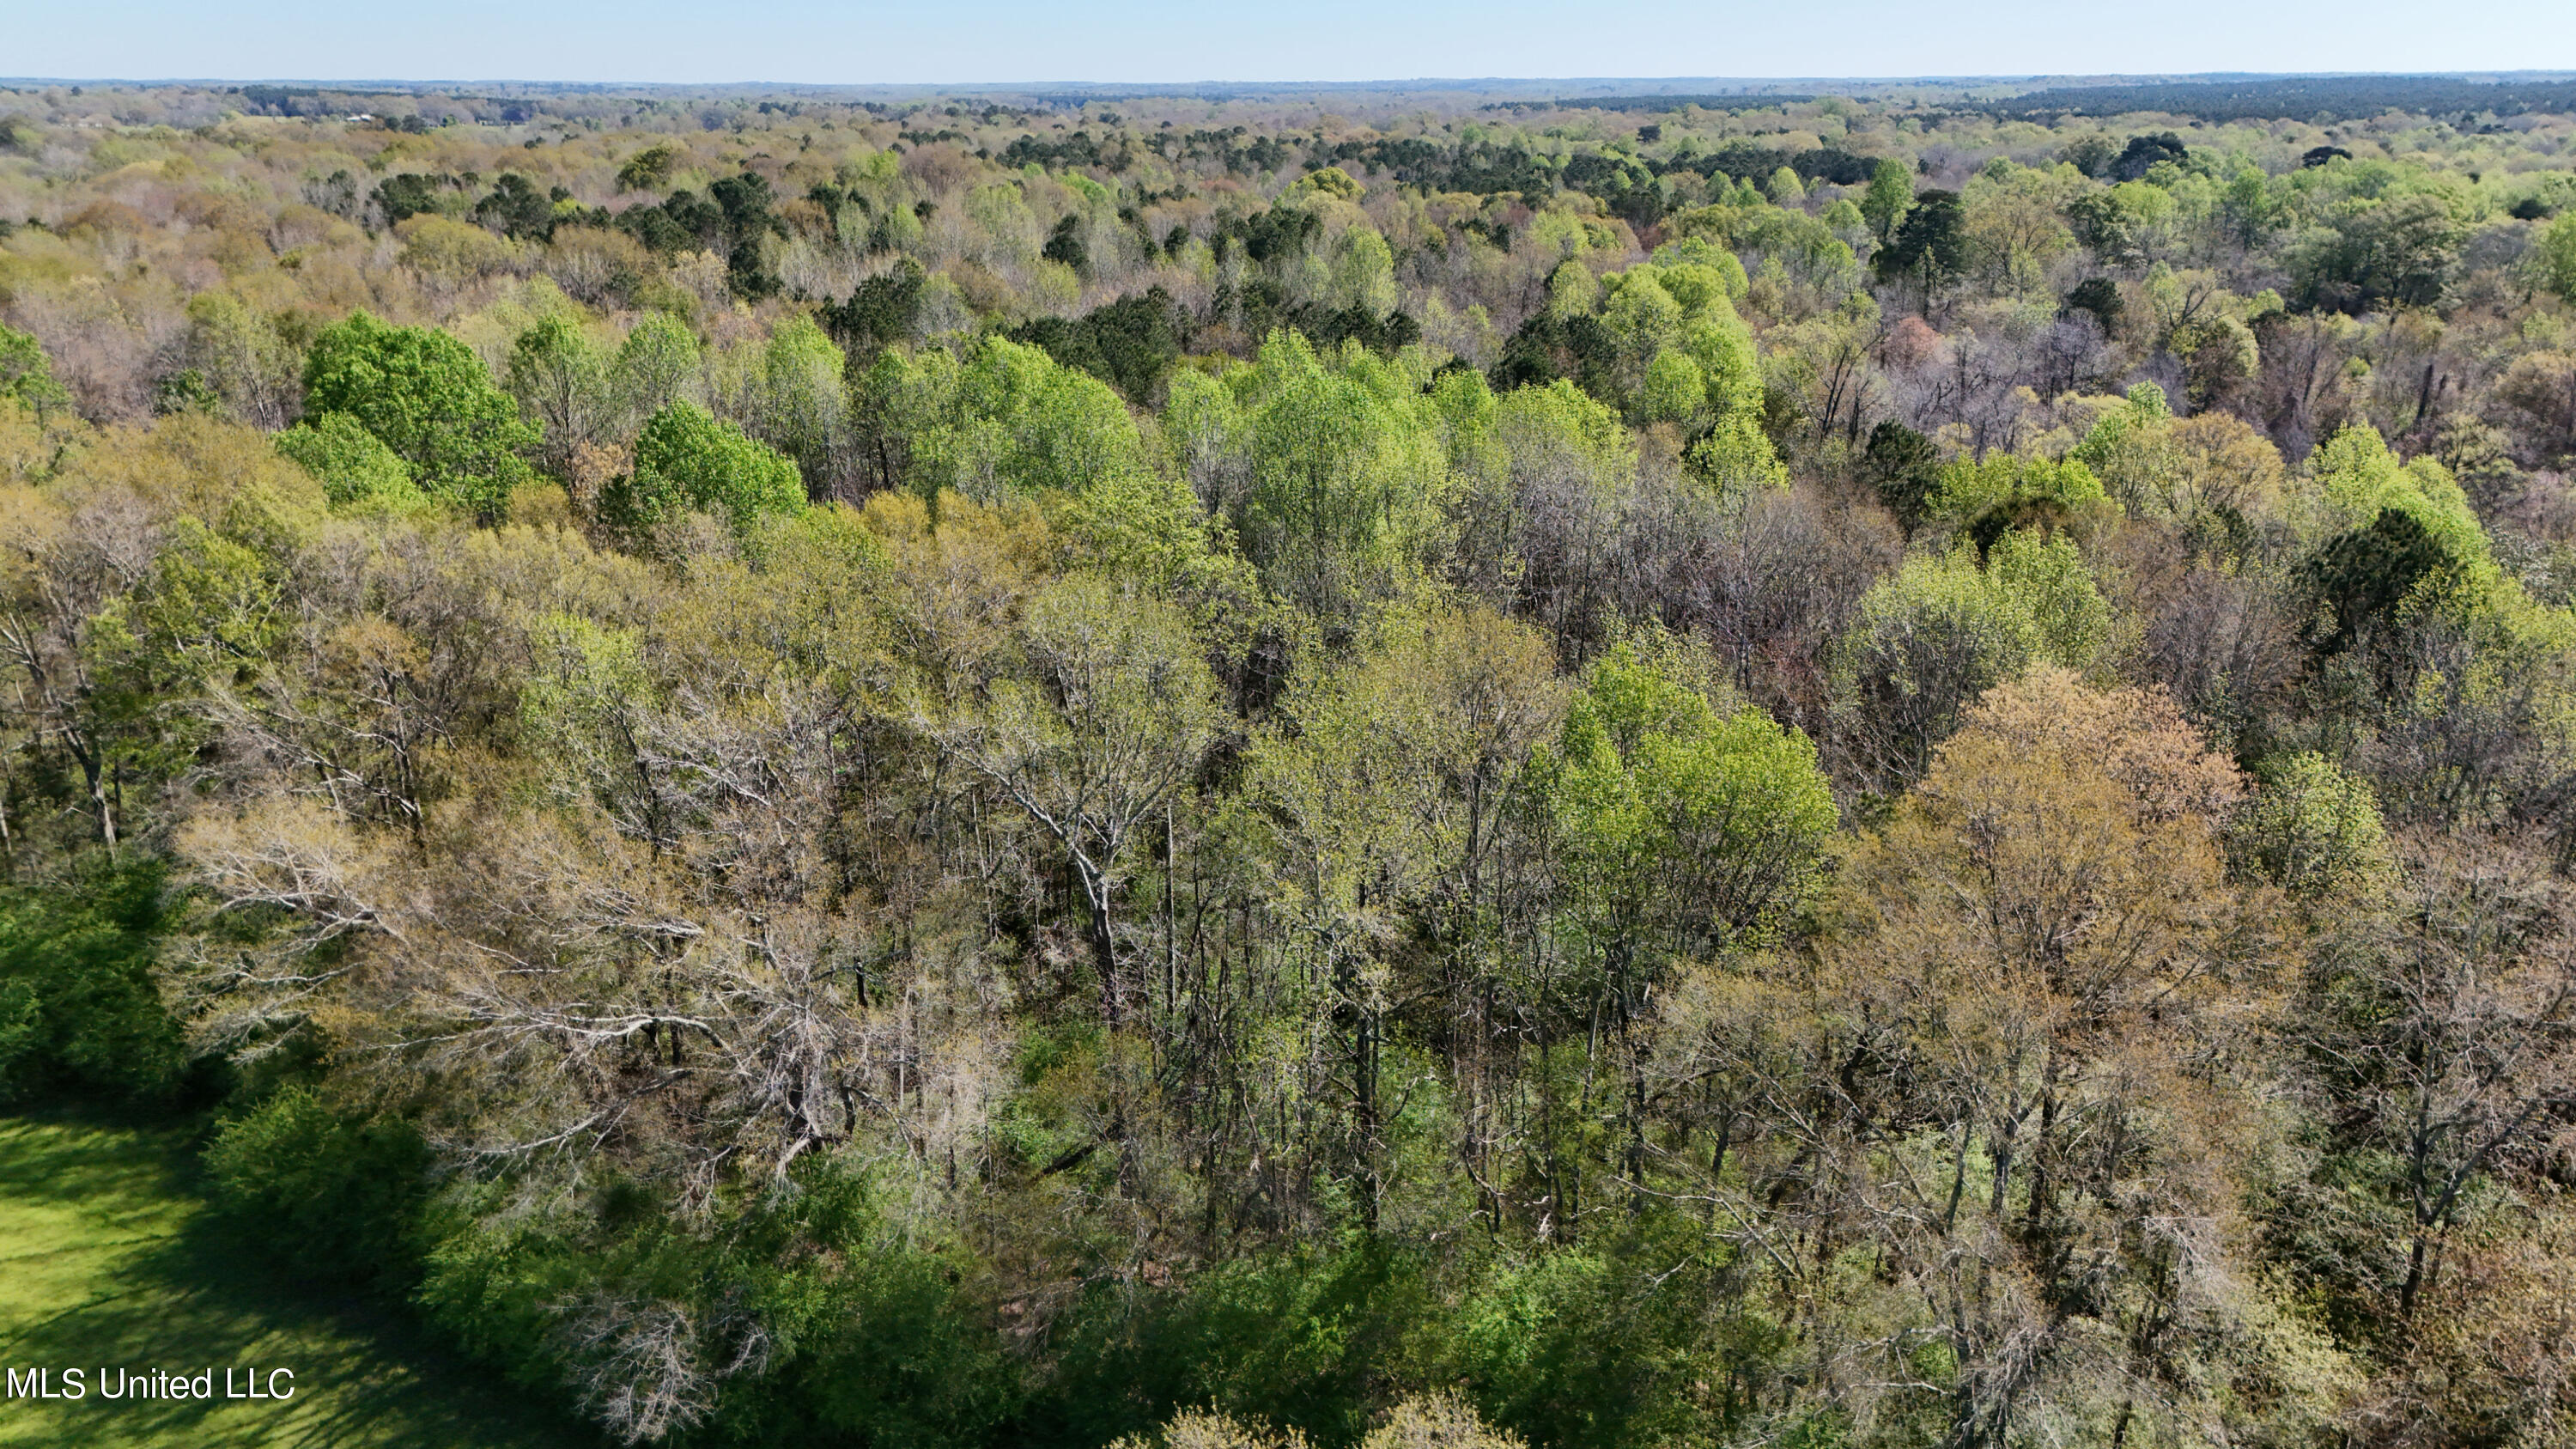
x=1875, y=769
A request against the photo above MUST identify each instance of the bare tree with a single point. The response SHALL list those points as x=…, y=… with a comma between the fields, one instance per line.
x=2449, y=1026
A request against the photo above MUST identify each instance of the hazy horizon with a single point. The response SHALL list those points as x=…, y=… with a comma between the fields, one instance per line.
x=1020, y=42
x=1206, y=82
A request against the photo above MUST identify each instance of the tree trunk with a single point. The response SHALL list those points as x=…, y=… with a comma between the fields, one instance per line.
x=1104, y=943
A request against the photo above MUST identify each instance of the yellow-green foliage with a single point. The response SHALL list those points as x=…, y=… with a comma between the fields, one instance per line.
x=1683, y=353
x=2359, y=478
x=1343, y=469
x=2047, y=577
x=2311, y=829
x=2011, y=489
x=1006, y=419
x=2125, y=448
x=1652, y=783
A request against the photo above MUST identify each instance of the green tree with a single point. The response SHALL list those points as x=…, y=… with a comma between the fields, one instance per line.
x=1905, y=469
x=1930, y=245
x=1736, y=459
x=2363, y=580
x=2556, y=256
x=431, y=400
x=1348, y=476
x=1363, y=273
x=1131, y=344
x=517, y=209
x=1686, y=826
x=1941, y=631
x=243, y=357
x=2310, y=829
x=1683, y=829
x=1005, y=421
x=26, y=374
x=355, y=468
x=1642, y=320
x=2252, y=206
x=798, y=403
x=1677, y=349
x=648, y=169
x=2408, y=530
x=657, y=365
x=2404, y=249
x=2362, y=477
x=562, y=385
x=1889, y=198
x=1388, y=787
x=687, y=459
x=78, y=1005
x=2047, y=577
x=1064, y=244
x=2007, y=491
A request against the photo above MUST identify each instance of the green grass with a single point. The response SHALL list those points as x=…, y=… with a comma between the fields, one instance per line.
x=109, y=1257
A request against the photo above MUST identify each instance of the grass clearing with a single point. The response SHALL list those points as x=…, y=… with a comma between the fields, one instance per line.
x=108, y=1258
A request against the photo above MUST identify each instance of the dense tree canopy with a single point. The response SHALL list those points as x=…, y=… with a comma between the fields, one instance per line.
x=1868, y=770
x=427, y=397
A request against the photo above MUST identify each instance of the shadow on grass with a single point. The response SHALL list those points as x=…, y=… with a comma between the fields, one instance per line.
x=109, y=1259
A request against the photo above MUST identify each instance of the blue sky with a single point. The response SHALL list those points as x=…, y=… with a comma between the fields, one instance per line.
x=1162, y=40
